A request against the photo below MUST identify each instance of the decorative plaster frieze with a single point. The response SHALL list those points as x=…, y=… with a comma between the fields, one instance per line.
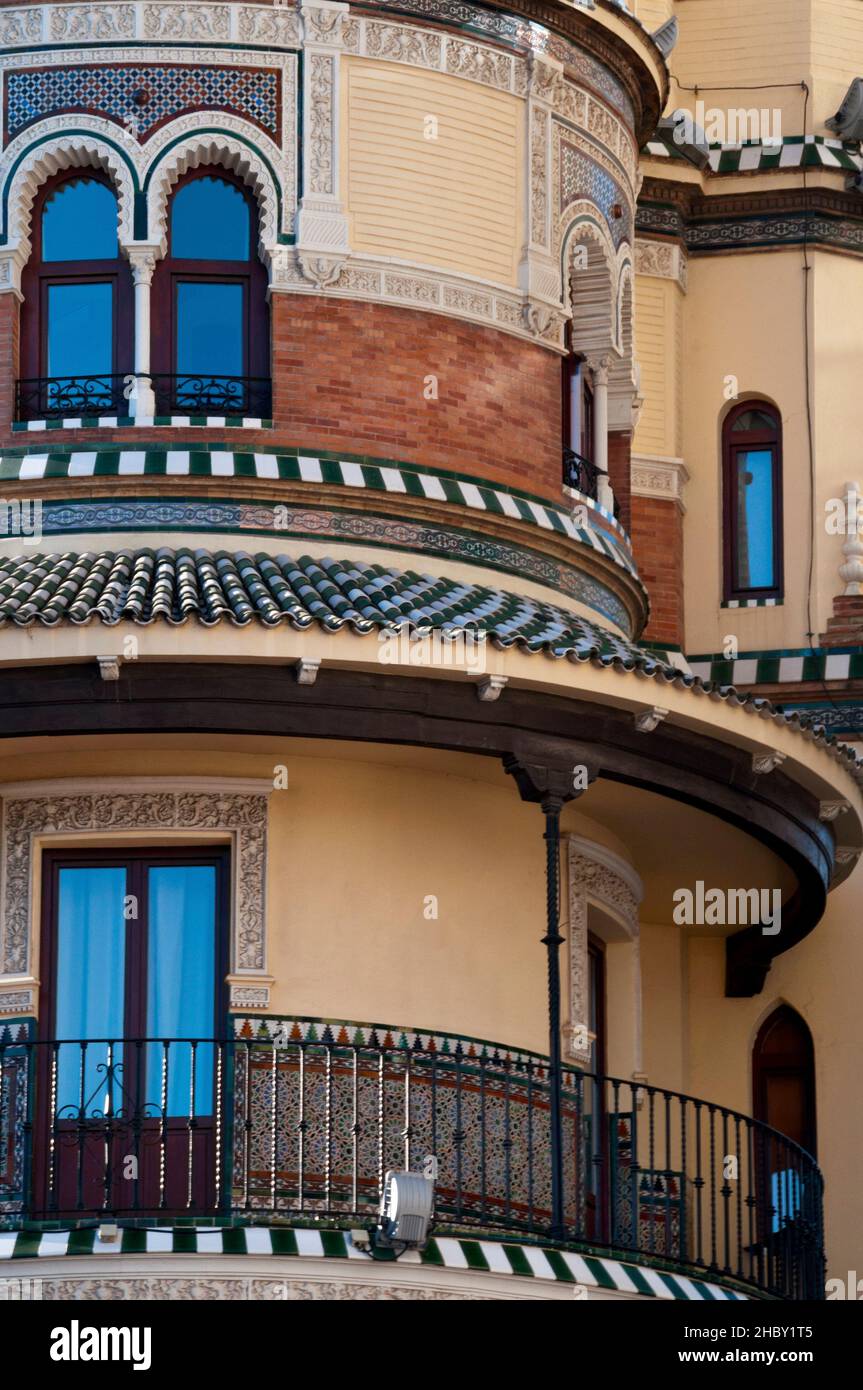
x=83, y=23
x=418, y=287
x=400, y=43
x=279, y=26
x=547, y=79
x=665, y=260
x=596, y=875
x=197, y=21
x=654, y=475
x=249, y=993
x=34, y=812
x=14, y=1000
x=322, y=225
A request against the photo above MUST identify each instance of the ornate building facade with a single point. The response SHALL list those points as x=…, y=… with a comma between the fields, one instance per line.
x=393, y=413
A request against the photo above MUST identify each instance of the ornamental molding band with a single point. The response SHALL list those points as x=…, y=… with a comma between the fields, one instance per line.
x=660, y=477
x=231, y=808
x=596, y=875
x=279, y=25
x=257, y=136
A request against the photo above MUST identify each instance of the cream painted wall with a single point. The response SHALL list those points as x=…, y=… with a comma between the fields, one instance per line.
x=663, y=984
x=652, y=13
x=821, y=979
x=744, y=318
x=734, y=44
x=452, y=202
x=364, y=834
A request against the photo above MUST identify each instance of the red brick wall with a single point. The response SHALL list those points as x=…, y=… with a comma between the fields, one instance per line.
x=351, y=376
x=10, y=317
x=619, y=471
x=657, y=539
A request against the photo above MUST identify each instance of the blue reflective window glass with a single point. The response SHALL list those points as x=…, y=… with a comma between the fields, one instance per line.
x=209, y=329
x=79, y=222
x=181, y=981
x=754, y=502
x=91, y=952
x=80, y=329
x=210, y=222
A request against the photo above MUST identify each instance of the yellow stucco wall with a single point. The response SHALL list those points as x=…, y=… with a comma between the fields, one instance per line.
x=744, y=318
x=453, y=202
x=363, y=835
x=729, y=45
x=820, y=979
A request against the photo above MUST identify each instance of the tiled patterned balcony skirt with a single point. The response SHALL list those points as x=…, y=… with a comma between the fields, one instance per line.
x=448, y=1252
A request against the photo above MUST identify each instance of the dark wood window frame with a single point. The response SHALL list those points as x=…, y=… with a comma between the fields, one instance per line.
x=571, y=364
x=734, y=442
x=800, y=1063
x=39, y=275
x=92, y=1162
x=251, y=274
x=139, y=859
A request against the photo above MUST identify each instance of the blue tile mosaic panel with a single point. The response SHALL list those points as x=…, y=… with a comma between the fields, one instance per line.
x=583, y=177
x=144, y=97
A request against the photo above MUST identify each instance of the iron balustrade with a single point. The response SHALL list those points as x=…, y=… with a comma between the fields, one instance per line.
x=580, y=473
x=213, y=395
x=292, y=1127
x=71, y=397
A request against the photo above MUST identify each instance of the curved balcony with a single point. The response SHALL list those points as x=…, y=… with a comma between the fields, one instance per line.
x=296, y=1121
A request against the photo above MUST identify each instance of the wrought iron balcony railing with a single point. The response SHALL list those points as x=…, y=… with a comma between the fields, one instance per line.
x=71, y=397
x=580, y=473
x=306, y=1125
x=249, y=396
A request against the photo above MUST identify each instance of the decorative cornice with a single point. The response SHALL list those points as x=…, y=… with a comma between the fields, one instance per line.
x=659, y=477
x=664, y=260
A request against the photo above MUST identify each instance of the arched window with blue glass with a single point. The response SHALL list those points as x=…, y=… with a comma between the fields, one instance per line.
x=752, y=503
x=76, y=326
x=211, y=349
x=783, y=1094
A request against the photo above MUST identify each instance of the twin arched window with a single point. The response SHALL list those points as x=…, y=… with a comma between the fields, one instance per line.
x=209, y=318
x=752, y=502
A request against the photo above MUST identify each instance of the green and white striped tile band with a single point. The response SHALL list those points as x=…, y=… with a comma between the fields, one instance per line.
x=113, y=422
x=446, y=1252
x=607, y=537
x=778, y=667
x=755, y=156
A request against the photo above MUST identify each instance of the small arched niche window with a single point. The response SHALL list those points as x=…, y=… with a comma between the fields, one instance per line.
x=211, y=337
x=783, y=1091
x=77, y=315
x=752, y=502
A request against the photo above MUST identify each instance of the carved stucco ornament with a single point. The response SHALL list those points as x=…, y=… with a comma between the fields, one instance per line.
x=33, y=817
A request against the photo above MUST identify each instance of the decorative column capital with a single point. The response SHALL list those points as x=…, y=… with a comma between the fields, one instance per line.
x=11, y=264
x=142, y=260
x=601, y=367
